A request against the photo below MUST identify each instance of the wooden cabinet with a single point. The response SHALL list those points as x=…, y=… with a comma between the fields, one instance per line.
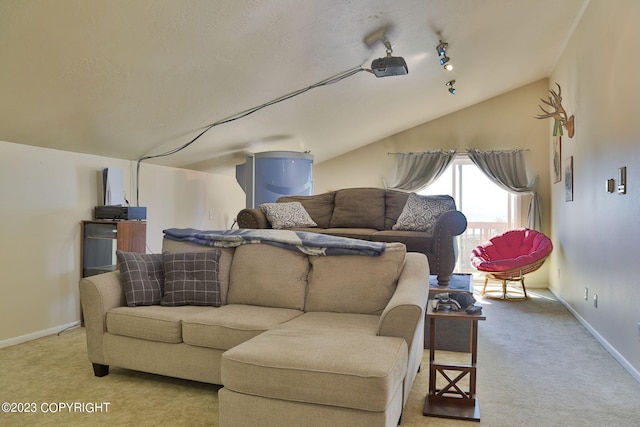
x=101, y=239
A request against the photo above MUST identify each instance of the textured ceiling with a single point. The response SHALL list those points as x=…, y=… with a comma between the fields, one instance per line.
x=129, y=78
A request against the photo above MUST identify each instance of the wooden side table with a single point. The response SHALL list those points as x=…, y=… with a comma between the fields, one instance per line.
x=452, y=401
x=452, y=335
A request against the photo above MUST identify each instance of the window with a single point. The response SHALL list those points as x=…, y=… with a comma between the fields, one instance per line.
x=489, y=209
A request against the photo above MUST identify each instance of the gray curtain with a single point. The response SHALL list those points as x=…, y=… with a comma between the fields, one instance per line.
x=415, y=171
x=508, y=170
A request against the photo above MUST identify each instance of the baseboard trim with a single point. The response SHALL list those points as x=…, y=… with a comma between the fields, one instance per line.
x=625, y=364
x=35, y=335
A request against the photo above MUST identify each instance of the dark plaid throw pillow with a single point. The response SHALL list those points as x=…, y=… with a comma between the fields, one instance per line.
x=191, y=278
x=143, y=277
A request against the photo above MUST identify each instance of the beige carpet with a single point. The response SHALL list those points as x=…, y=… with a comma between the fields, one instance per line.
x=537, y=366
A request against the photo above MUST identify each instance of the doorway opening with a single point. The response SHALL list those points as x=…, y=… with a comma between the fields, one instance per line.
x=489, y=209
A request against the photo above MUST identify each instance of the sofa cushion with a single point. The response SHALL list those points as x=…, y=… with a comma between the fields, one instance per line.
x=421, y=212
x=233, y=324
x=394, y=204
x=353, y=283
x=352, y=233
x=415, y=241
x=268, y=275
x=319, y=207
x=191, y=278
x=224, y=263
x=153, y=323
x=356, y=371
x=142, y=277
x=287, y=215
x=359, y=208
x=323, y=322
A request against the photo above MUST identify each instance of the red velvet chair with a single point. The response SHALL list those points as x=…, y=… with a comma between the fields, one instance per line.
x=507, y=257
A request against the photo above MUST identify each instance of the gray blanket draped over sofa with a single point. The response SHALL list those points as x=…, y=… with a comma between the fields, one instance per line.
x=300, y=241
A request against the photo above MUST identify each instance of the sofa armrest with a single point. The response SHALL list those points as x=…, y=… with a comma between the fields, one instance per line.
x=449, y=225
x=404, y=314
x=252, y=218
x=98, y=295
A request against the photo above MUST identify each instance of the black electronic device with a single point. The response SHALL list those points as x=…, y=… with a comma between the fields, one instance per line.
x=389, y=66
x=120, y=212
x=474, y=309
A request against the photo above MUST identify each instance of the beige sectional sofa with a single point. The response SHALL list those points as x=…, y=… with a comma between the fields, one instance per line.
x=299, y=340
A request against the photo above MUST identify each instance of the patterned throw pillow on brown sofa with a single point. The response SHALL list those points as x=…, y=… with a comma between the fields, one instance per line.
x=287, y=215
x=421, y=212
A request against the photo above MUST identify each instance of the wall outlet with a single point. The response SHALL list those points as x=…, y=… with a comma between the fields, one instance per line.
x=595, y=300
x=586, y=294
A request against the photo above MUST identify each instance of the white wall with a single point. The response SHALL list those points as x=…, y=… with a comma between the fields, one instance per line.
x=184, y=198
x=597, y=236
x=45, y=194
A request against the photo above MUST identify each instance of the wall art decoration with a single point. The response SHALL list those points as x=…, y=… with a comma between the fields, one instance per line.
x=568, y=179
x=559, y=114
x=557, y=156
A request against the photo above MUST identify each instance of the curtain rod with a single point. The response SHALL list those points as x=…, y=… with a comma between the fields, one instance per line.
x=423, y=152
x=513, y=150
x=468, y=149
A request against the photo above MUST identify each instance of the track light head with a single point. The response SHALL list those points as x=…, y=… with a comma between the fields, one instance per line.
x=448, y=67
x=452, y=90
x=444, y=60
x=442, y=48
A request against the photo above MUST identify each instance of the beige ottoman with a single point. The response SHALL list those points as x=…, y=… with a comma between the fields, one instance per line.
x=295, y=377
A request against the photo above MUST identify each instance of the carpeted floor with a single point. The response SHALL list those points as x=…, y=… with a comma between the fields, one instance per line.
x=537, y=366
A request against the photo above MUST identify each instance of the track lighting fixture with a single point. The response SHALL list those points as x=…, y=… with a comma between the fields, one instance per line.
x=442, y=48
x=442, y=53
x=452, y=90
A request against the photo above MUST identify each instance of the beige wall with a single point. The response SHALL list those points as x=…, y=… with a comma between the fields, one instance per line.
x=597, y=236
x=46, y=193
x=503, y=122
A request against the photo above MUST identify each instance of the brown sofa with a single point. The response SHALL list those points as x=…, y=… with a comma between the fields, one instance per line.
x=370, y=214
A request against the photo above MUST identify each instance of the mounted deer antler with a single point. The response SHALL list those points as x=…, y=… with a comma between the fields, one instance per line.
x=560, y=115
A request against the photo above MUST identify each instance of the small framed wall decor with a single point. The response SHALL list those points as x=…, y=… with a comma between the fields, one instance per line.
x=568, y=178
x=557, y=164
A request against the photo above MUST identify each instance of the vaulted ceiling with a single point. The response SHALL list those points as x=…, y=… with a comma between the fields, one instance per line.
x=131, y=78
